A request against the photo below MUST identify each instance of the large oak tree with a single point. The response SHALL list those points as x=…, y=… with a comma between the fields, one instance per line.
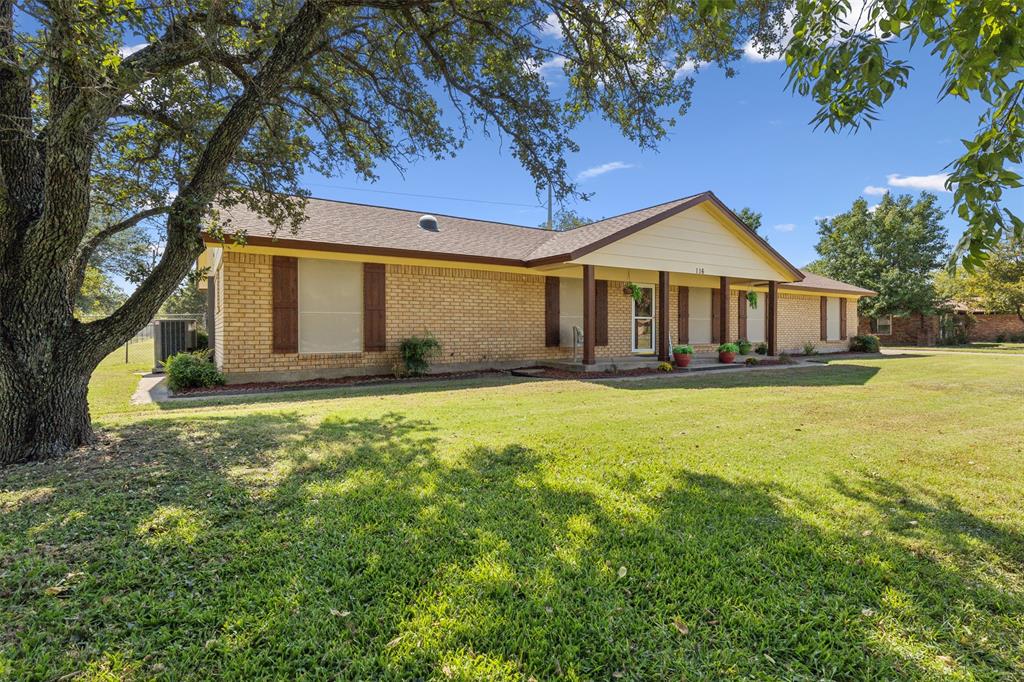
x=143, y=111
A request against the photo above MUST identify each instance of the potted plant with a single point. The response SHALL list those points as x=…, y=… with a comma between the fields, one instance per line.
x=727, y=352
x=744, y=346
x=761, y=348
x=682, y=354
x=634, y=290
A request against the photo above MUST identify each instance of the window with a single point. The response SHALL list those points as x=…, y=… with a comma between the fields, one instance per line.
x=570, y=309
x=883, y=325
x=330, y=306
x=832, y=325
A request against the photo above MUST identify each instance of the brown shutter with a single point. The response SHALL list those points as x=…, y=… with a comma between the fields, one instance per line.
x=684, y=314
x=285, y=302
x=601, y=312
x=551, y=312
x=824, y=318
x=842, y=319
x=374, y=307
x=741, y=296
x=716, y=331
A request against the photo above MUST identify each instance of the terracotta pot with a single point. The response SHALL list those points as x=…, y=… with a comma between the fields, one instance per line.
x=727, y=357
x=682, y=359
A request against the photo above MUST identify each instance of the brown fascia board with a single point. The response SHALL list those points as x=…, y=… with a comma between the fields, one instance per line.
x=668, y=213
x=363, y=250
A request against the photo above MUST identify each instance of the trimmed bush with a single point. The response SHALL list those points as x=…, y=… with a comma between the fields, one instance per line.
x=417, y=352
x=865, y=343
x=665, y=367
x=192, y=370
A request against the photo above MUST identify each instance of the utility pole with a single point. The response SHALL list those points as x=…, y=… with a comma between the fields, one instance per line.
x=550, y=223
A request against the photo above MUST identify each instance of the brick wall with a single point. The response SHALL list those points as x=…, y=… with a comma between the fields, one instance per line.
x=478, y=316
x=907, y=330
x=987, y=327
x=800, y=322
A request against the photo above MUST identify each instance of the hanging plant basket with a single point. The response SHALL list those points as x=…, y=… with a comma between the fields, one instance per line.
x=752, y=299
x=634, y=290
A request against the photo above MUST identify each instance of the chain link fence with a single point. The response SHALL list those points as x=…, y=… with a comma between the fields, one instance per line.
x=138, y=351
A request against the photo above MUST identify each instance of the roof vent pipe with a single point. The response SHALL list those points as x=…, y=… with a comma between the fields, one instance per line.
x=429, y=222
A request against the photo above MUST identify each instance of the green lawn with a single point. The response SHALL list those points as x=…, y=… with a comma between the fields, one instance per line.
x=862, y=520
x=975, y=347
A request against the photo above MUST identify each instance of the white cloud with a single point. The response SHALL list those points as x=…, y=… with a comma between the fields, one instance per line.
x=875, y=190
x=932, y=183
x=548, y=67
x=751, y=53
x=127, y=50
x=595, y=171
x=856, y=18
x=689, y=66
x=785, y=227
x=551, y=28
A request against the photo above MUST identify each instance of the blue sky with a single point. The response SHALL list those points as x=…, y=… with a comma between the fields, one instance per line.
x=745, y=138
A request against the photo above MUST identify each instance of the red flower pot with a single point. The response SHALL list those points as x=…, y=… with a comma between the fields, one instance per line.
x=726, y=357
x=682, y=359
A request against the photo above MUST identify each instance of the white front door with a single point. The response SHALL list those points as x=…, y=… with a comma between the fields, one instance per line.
x=643, y=322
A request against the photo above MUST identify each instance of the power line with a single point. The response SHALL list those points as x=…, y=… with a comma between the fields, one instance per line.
x=425, y=196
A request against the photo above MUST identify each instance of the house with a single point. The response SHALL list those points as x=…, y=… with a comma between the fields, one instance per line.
x=961, y=323
x=338, y=297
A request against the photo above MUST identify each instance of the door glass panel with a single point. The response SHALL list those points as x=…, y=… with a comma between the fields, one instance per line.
x=645, y=308
x=644, y=331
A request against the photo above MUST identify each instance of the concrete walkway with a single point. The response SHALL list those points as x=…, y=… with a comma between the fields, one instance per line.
x=152, y=388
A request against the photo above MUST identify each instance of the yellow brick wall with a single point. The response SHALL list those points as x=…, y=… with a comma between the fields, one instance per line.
x=800, y=322
x=478, y=316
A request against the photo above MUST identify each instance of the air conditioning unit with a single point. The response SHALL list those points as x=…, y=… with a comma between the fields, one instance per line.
x=171, y=337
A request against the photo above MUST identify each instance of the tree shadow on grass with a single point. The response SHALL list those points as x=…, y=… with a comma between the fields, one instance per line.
x=265, y=545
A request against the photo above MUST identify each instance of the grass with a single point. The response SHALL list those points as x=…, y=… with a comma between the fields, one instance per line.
x=974, y=347
x=115, y=380
x=859, y=521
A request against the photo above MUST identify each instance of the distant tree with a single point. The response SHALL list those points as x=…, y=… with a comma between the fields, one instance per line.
x=99, y=295
x=751, y=217
x=892, y=249
x=187, y=298
x=566, y=219
x=996, y=286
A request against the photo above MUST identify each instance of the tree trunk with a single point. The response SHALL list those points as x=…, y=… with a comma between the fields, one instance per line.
x=43, y=406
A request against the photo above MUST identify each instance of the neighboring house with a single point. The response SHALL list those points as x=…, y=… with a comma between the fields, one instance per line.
x=926, y=330
x=338, y=297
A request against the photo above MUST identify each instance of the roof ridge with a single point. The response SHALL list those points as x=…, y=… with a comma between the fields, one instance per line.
x=433, y=213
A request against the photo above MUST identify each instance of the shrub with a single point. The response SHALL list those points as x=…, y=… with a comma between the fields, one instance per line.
x=1016, y=338
x=752, y=361
x=761, y=348
x=682, y=350
x=1000, y=338
x=728, y=348
x=664, y=367
x=192, y=370
x=786, y=359
x=810, y=349
x=865, y=343
x=202, y=341
x=417, y=352
x=744, y=346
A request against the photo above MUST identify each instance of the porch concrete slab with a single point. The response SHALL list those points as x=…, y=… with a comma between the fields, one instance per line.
x=699, y=362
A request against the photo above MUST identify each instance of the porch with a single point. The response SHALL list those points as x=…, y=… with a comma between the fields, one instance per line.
x=624, y=363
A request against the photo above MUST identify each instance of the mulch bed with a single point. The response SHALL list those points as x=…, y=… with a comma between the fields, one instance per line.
x=374, y=380
x=552, y=373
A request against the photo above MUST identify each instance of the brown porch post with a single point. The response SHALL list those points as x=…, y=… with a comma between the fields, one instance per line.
x=589, y=314
x=663, y=349
x=723, y=310
x=773, y=318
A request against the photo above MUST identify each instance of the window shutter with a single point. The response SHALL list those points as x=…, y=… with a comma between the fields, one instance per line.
x=374, y=307
x=824, y=318
x=551, y=311
x=716, y=295
x=684, y=314
x=842, y=319
x=601, y=312
x=873, y=325
x=741, y=298
x=285, y=303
